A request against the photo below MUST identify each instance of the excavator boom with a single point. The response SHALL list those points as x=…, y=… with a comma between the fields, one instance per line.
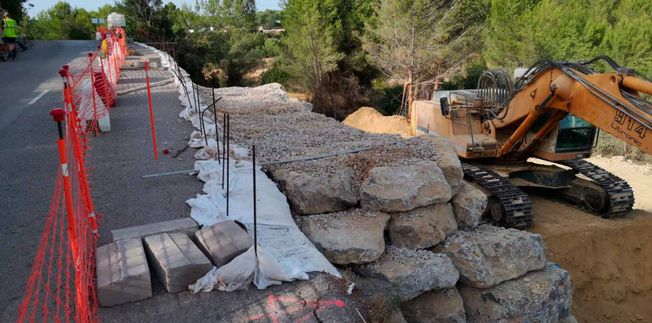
x=611, y=102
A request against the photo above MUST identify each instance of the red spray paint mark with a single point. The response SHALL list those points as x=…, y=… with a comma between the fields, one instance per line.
x=284, y=305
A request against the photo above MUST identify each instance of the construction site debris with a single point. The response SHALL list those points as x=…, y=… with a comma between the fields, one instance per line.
x=122, y=273
x=488, y=255
x=349, y=237
x=468, y=205
x=187, y=225
x=539, y=296
x=176, y=260
x=404, y=188
x=223, y=241
x=436, y=306
x=409, y=273
x=423, y=227
x=309, y=194
x=370, y=120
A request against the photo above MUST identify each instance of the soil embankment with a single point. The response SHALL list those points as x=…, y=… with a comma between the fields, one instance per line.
x=609, y=260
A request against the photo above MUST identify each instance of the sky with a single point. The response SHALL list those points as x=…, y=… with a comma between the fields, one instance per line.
x=40, y=5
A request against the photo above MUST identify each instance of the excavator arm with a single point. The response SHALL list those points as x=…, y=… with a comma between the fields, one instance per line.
x=611, y=102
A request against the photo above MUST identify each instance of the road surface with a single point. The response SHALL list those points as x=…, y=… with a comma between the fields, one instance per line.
x=29, y=88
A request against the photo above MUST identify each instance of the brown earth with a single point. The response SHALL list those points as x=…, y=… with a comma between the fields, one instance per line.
x=610, y=260
x=370, y=120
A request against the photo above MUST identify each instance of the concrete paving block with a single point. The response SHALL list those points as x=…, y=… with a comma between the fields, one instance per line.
x=187, y=225
x=176, y=260
x=122, y=273
x=223, y=241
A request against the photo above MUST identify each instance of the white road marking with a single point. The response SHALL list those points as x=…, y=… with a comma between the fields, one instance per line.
x=38, y=97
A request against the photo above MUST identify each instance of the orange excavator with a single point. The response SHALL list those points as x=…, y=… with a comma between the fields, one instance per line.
x=552, y=112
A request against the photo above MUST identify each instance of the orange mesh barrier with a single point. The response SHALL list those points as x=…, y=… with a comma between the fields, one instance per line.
x=61, y=285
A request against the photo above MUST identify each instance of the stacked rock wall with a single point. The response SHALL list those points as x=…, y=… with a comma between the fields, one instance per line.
x=399, y=214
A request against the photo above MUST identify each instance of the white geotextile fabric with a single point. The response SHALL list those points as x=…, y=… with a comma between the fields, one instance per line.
x=284, y=252
x=288, y=253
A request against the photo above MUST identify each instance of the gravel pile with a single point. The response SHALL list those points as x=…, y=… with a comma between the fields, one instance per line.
x=283, y=128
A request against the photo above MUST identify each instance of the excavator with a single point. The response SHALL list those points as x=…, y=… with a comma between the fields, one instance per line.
x=536, y=130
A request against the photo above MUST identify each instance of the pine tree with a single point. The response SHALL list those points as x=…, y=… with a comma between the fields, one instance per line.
x=414, y=41
x=310, y=27
x=509, y=40
x=629, y=40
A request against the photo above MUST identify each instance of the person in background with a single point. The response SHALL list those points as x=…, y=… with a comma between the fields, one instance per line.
x=9, y=36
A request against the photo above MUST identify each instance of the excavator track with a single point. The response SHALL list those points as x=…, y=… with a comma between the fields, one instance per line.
x=516, y=207
x=619, y=194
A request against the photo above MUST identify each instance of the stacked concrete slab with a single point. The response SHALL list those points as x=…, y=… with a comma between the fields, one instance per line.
x=122, y=273
x=176, y=260
x=224, y=241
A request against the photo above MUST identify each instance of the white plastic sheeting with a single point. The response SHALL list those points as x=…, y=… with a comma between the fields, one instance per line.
x=288, y=254
x=284, y=252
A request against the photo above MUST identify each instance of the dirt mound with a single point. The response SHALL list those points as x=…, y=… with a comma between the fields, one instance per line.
x=608, y=259
x=370, y=120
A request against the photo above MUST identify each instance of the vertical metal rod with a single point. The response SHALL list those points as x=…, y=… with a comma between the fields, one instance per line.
x=228, y=157
x=197, y=96
x=253, y=164
x=217, y=134
x=223, y=147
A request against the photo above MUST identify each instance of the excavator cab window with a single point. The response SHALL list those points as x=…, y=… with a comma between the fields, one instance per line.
x=574, y=134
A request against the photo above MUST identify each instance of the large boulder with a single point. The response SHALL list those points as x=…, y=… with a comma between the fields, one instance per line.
x=423, y=227
x=539, y=296
x=446, y=157
x=383, y=306
x=408, y=273
x=317, y=194
x=349, y=237
x=488, y=255
x=405, y=187
x=440, y=306
x=468, y=205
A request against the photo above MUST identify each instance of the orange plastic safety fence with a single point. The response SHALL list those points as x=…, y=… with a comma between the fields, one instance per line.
x=62, y=285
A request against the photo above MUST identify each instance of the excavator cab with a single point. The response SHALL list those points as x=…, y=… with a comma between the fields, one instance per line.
x=574, y=135
x=573, y=138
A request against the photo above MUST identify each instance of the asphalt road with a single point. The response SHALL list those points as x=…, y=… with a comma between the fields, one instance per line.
x=29, y=88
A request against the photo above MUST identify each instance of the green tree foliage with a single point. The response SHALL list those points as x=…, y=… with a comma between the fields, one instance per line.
x=232, y=13
x=629, y=38
x=524, y=31
x=269, y=18
x=62, y=21
x=311, y=26
x=148, y=20
x=508, y=40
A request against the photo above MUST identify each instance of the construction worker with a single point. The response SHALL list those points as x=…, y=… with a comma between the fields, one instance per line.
x=9, y=36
